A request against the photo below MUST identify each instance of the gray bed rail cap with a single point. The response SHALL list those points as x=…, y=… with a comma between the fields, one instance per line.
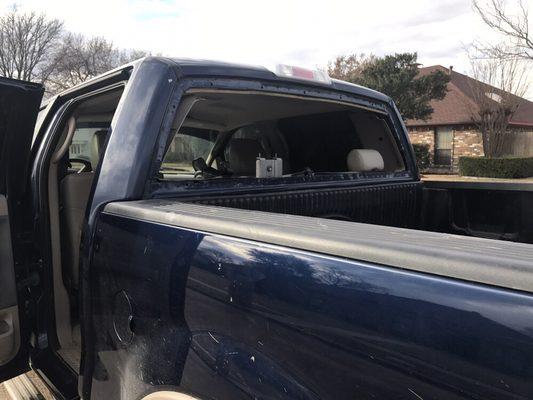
x=486, y=261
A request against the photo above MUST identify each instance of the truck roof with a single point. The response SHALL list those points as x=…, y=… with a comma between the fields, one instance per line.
x=186, y=67
x=198, y=67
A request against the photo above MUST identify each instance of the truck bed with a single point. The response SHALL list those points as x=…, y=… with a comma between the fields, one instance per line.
x=479, y=209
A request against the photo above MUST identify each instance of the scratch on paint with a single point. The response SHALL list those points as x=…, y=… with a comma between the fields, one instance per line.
x=212, y=337
x=413, y=392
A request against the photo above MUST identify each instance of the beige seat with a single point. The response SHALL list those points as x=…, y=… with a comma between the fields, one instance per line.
x=74, y=191
x=97, y=146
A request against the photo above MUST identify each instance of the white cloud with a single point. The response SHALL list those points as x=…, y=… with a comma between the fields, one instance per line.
x=307, y=33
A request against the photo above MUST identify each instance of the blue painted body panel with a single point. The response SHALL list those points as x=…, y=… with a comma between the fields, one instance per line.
x=140, y=130
x=224, y=318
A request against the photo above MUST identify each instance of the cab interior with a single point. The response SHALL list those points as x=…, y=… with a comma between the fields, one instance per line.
x=75, y=156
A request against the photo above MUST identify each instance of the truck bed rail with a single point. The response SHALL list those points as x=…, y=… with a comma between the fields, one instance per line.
x=485, y=261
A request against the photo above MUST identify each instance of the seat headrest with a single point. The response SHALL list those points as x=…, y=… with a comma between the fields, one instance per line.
x=97, y=146
x=242, y=154
x=362, y=160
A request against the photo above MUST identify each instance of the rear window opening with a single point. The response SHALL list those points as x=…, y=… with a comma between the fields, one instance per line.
x=236, y=134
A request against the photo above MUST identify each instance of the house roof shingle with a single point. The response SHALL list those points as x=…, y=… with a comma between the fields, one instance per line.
x=459, y=104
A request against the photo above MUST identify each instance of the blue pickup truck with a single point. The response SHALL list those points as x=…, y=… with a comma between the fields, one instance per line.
x=185, y=229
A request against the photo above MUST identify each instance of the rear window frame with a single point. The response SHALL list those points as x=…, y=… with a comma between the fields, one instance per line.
x=160, y=188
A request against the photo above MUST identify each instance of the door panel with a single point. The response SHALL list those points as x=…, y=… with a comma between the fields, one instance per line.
x=10, y=337
x=221, y=317
x=9, y=318
x=8, y=296
x=19, y=105
x=9, y=333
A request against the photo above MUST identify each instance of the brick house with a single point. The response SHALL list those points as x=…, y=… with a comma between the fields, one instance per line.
x=450, y=133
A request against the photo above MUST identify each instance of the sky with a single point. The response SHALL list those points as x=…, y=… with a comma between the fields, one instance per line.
x=305, y=33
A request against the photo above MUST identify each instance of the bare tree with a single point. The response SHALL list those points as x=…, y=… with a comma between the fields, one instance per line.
x=512, y=25
x=497, y=90
x=79, y=58
x=26, y=40
x=33, y=47
x=127, y=55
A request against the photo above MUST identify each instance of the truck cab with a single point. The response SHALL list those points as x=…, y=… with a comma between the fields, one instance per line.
x=191, y=229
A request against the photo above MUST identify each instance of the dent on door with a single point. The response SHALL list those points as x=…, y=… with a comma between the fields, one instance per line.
x=9, y=318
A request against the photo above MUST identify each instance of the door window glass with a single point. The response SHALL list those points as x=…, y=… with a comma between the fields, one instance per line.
x=187, y=145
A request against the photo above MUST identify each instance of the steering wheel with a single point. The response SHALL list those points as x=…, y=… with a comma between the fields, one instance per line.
x=202, y=169
x=87, y=167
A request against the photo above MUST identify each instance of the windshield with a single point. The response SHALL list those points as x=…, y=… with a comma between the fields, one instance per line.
x=188, y=145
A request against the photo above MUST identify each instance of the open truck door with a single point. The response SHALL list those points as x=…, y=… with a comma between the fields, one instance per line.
x=19, y=106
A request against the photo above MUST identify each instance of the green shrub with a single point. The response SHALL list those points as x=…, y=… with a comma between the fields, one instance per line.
x=508, y=167
x=423, y=158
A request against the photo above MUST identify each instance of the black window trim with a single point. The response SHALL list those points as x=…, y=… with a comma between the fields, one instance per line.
x=155, y=187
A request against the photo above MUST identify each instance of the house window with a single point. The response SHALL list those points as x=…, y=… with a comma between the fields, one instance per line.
x=443, y=146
